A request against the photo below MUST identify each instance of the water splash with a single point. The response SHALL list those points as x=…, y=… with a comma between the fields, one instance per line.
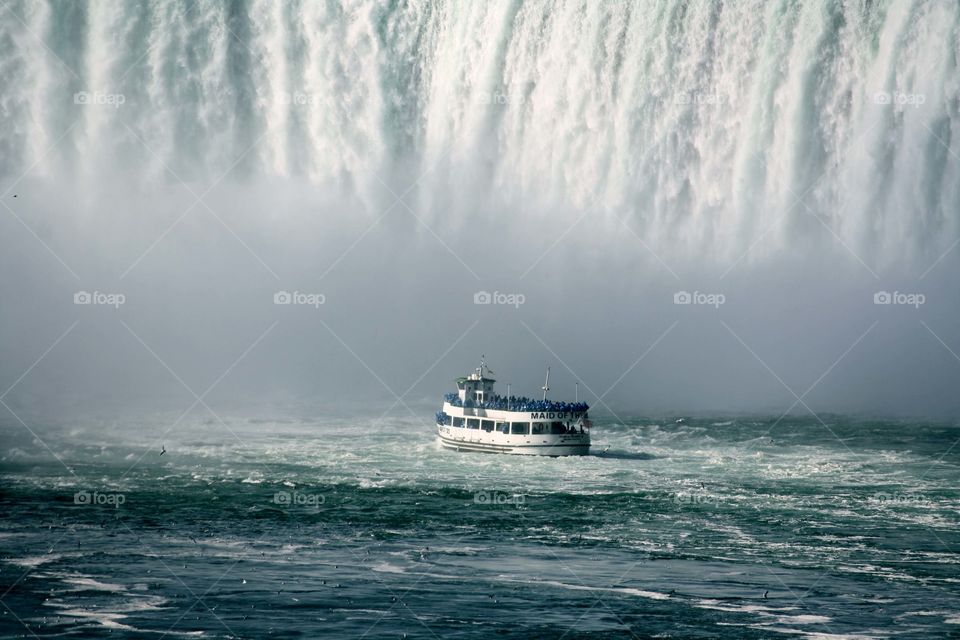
x=706, y=126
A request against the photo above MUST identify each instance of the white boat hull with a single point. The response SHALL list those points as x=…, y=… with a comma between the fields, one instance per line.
x=459, y=439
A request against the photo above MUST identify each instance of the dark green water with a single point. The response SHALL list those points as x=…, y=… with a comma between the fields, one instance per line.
x=356, y=528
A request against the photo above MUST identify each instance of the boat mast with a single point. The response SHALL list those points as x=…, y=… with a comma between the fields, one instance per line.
x=546, y=384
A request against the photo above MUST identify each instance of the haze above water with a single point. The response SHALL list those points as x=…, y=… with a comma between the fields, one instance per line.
x=592, y=159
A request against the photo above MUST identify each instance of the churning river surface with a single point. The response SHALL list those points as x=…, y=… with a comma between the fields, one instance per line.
x=348, y=527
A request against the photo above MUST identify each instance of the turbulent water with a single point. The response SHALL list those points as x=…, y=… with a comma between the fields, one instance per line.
x=202, y=158
x=707, y=123
x=347, y=527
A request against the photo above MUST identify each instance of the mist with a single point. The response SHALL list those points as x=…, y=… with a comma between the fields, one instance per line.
x=388, y=168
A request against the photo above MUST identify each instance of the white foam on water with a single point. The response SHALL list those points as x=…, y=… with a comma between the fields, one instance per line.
x=103, y=618
x=111, y=615
x=817, y=635
x=803, y=619
x=459, y=551
x=720, y=605
x=35, y=561
x=878, y=571
x=910, y=614
x=86, y=583
x=386, y=567
x=652, y=595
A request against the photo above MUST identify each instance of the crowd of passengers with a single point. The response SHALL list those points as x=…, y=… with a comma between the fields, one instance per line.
x=517, y=403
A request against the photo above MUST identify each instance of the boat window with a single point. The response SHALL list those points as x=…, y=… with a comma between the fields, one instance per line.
x=447, y=420
x=538, y=428
x=487, y=425
x=473, y=423
x=557, y=428
x=458, y=422
x=520, y=428
x=503, y=427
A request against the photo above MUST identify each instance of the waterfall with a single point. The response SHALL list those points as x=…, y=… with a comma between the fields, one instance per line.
x=705, y=125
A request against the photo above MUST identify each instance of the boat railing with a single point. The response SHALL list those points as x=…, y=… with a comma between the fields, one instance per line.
x=517, y=403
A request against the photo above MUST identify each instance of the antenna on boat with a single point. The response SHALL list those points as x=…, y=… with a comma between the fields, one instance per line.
x=576, y=392
x=546, y=384
x=508, y=396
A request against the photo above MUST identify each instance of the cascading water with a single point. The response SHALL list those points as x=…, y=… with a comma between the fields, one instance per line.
x=706, y=124
x=725, y=224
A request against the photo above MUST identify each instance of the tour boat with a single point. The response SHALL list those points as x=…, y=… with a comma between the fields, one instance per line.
x=477, y=419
